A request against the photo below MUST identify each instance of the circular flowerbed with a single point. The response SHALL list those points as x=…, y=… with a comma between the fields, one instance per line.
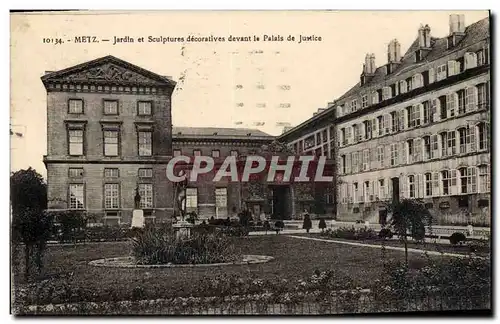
x=130, y=262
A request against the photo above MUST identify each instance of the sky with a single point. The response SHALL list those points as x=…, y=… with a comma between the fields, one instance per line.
x=261, y=84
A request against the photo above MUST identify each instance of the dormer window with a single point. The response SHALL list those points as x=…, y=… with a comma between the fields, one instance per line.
x=470, y=60
x=403, y=86
x=417, y=81
x=386, y=93
x=453, y=68
x=441, y=72
x=418, y=56
x=364, y=101
x=375, y=97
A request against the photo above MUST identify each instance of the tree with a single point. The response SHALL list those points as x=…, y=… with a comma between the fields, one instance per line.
x=409, y=218
x=31, y=224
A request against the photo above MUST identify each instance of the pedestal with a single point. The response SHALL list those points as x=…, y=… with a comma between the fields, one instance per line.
x=182, y=229
x=137, y=218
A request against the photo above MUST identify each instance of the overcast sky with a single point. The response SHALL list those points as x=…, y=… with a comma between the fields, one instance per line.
x=208, y=73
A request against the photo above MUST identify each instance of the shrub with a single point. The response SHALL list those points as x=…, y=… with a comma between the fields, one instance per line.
x=154, y=247
x=365, y=234
x=278, y=226
x=385, y=233
x=457, y=238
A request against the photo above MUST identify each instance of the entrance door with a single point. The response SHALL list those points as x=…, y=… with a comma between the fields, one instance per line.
x=382, y=217
x=279, y=206
x=395, y=190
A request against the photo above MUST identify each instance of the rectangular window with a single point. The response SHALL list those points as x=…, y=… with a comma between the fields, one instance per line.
x=461, y=101
x=417, y=150
x=146, y=193
x=441, y=72
x=177, y=152
x=145, y=143
x=386, y=93
x=110, y=107
x=366, y=160
x=318, y=138
x=483, y=131
x=364, y=101
x=446, y=179
x=234, y=153
x=325, y=136
x=75, y=172
x=111, y=196
x=192, y=199
x=368, y=129
x=427, y=147
x=427, y=114
x=381, y=189
x=75, y=106
x=411, y=185
x=221, y=202
x=428, y=184
x=355, y=162
x=354, y=104
x=76, y=196
x=215, y=153
x=395, y=121
x=111, y=173
x=196, y=152
x=111, y=143
x=452, y=143
x=380, y=125
x=481, y=58
x=484, y=178
x=75, y=142
x=468, y=180
x=380, y=156
x=394, y=154
x=434, y=147
x=145, y=173
x=482, y=99
x=348, y=134
x=144, y=108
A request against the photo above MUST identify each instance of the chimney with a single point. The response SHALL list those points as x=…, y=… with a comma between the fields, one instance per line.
x=457, y=30
x=393, y=56
x=368, y=68
x=394, y=51
x=424, y=42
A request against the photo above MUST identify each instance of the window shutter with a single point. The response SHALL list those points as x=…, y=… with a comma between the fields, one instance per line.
x=467, y=61
x=373, y=157
x=387, y=187
x=348, y=163
x=436, y=109
x=451, y=68
x=403, y=119
x=432, y=75
x=421, y=185
x=374, y=127
x=361, y=128
x=402, y=156
x=435, y=184
x=403, y=184
x=340, y=140
x=451, y=104
x=453, y=185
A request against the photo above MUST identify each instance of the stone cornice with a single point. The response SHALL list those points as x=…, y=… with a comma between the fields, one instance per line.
x=108, y=87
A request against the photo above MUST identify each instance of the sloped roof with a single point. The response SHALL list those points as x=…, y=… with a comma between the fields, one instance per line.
x=218, y=132
x=474, y=33
x=102, y=61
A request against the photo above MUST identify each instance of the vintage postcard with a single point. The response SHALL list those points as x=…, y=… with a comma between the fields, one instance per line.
x=250, y=162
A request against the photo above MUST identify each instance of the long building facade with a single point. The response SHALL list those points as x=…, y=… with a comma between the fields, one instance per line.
x=417, y=127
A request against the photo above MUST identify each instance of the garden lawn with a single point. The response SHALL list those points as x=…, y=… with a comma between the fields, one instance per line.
x=483, y=251
x=67, y=267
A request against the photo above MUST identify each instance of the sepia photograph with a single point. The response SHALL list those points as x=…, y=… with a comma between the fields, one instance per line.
x=250, y=163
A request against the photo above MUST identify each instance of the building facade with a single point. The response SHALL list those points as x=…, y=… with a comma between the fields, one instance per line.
x=416, y=127
x=109, y=132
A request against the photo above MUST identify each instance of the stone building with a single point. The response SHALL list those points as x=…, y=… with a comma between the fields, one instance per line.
x=108, y=133
x=416, y=127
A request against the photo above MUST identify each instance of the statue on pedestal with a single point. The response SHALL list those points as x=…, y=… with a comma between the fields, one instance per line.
x=137, y=198
x=180, y=189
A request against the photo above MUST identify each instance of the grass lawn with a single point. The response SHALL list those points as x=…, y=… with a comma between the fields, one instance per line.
x=294, y=259
x=429, y=246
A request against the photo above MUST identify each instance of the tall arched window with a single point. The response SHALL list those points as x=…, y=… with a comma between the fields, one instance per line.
x=483, y=134
x=484, y=178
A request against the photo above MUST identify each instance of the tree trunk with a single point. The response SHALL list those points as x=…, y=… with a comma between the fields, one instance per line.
x=27, y=261
x=406, y=250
